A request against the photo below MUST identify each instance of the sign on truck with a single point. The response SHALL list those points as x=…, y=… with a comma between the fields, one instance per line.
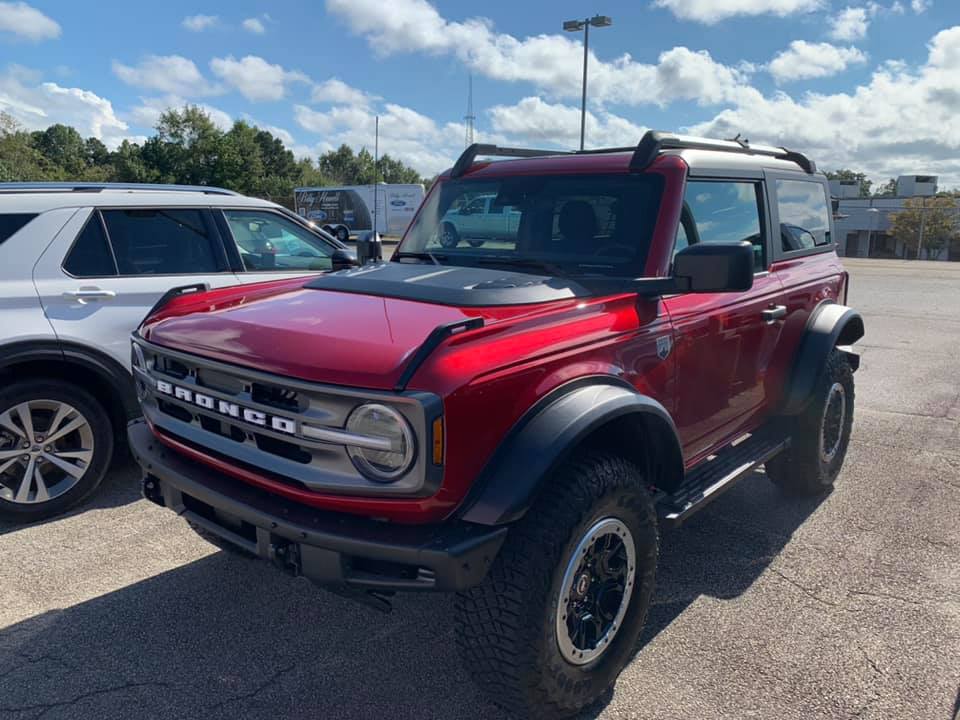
x=353, y=207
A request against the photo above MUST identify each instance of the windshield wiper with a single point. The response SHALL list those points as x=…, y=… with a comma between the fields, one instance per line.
x=435, y=259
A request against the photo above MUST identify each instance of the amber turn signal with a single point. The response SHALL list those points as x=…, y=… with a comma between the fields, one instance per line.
x=438, y=441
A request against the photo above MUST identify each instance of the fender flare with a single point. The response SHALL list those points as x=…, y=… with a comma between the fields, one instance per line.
x=830, y=325
x=106, y=369
x=549, y=432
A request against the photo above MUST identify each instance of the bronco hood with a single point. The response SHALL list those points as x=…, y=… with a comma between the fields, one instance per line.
x=356, y=328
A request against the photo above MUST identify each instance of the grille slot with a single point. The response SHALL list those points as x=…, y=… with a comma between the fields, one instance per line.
x=278, y=397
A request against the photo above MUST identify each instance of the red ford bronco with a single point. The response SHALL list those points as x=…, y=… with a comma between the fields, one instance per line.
x=511, y=417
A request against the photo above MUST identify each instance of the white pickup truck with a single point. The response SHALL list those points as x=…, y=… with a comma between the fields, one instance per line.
x=479, y=220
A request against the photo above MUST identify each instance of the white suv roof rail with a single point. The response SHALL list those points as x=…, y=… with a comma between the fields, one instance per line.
x=24, y=187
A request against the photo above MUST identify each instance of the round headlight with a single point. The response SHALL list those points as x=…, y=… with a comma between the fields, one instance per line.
x=385, y=447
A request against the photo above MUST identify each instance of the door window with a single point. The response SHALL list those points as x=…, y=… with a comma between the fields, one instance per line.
x=90, y=255
x=160, y=241
x=804, y=215
x=725, y=212
x=11, y=223
x=270, y=242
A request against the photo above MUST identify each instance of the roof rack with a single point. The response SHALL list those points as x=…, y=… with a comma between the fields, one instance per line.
x=650, y=146
x=654, y=142
x=13, y=187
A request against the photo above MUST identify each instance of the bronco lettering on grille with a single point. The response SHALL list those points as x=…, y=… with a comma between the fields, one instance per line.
x=233, y=410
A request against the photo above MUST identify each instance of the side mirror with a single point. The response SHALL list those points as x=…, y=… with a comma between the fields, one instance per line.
x=714, y=267
x=343, y=259
x=369, y=247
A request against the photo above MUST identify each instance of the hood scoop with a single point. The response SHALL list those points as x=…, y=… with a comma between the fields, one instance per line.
x=449, y=285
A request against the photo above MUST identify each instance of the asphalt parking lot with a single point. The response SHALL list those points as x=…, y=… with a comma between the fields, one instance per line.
x=846, y=607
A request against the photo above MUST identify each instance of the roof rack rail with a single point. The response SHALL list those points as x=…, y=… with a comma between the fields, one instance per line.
x=654, y=142
x=470, y=154
x=11, y=187
x=650, y=146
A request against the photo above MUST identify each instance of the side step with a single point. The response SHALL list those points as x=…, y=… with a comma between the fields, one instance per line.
x=719, y=473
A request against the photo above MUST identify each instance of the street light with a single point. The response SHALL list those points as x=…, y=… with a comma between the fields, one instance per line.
x=875, y=215
x=597, y=21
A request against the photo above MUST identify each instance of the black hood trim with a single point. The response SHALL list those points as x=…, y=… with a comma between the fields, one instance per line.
x=450, y=285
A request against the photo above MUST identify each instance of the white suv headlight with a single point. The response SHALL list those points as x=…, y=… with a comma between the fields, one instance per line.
x=385, y=447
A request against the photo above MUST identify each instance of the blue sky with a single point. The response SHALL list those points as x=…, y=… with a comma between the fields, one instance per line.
x=873, y=85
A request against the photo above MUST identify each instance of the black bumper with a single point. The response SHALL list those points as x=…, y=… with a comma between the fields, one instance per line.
x=331, y=549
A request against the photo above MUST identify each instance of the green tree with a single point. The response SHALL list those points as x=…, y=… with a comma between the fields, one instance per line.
x=186, y=149
x=128, y=164
x=63, y=146
x=845, y=174
x=932, y=224
x=20, y=161
x=888, y=189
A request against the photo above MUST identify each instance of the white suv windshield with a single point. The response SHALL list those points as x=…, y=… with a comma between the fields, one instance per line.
x=597, y=224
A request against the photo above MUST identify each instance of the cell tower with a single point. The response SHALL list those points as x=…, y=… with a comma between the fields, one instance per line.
x=469, y=118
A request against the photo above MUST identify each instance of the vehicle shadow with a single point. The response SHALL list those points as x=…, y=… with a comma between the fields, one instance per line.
x=120, y=486
x=227, y=637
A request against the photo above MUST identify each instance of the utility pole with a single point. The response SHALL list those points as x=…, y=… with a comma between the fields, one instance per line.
x=469, y=118
x=376, y=168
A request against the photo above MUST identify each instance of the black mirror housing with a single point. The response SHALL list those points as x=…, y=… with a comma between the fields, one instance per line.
x=714, y=267
x=343, y=259
x=369, y=247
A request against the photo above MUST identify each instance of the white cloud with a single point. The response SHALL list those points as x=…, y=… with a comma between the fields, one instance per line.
x=255, y=78
x=543, y=60
x=37, y=105
x=902, y=120
x=849, y=24
x=338, y=92
x=712, y=11
x=27, y=22
x=254, y=25
x=166, y=73
x=199, y=23
x=534, y=120
x=812, y=60
x=919, y=6
x=148, y=113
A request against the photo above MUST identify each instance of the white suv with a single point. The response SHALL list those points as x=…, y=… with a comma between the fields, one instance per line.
x=80, y=265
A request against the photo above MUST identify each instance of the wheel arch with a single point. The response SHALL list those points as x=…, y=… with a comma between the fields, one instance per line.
x=102, y=376
x=830, y=326
x=599, y=413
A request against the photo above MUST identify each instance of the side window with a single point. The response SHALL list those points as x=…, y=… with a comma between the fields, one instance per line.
x=11, y=223
x=160, y=241
x=90, y=255
x=804, y=215
x=270, y=242
x=726, y=212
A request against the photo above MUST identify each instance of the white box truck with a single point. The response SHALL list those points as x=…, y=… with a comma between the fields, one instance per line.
x=345, y=210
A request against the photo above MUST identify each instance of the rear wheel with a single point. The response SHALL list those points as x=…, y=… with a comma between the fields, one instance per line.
x=560, y=614
x=56, y=443
x=821, y=434
x=449, y=237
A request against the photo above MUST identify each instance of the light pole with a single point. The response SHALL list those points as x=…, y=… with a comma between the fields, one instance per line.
x=598, y=21
x=875, y=215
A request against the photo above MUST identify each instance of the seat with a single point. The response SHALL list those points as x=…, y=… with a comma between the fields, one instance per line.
x=578, y=226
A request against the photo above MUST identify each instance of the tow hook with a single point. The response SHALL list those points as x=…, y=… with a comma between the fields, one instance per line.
x=286, y=556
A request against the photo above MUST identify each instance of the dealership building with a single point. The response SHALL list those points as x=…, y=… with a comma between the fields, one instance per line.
x=863, y=224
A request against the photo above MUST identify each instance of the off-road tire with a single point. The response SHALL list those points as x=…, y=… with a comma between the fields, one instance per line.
x=506, y=627
x=803, y=469
x=103, y=448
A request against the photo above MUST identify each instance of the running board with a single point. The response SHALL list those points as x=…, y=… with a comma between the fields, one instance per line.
x=719, y=473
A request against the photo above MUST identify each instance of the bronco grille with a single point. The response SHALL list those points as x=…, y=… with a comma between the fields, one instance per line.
x=286, y=428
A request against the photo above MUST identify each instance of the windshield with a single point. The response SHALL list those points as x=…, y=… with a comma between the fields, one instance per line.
x=570, y=224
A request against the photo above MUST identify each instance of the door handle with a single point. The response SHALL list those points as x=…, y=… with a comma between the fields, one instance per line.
x=774, y=313
x=85, y=295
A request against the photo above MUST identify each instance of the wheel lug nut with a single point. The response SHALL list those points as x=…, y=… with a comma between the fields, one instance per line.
x=46, y=448
x=25, y=457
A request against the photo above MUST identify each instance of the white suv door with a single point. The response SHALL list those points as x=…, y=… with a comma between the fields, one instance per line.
x=107, y=267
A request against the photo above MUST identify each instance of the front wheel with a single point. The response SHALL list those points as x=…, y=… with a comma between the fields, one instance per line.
x=561, y=611
x=821, y=434
x=449, y=237
x=56, y=442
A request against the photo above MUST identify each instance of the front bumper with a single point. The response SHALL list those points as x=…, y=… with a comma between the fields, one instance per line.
x=330, y=549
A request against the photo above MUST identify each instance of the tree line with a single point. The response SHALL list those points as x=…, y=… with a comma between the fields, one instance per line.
x=189, y=149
